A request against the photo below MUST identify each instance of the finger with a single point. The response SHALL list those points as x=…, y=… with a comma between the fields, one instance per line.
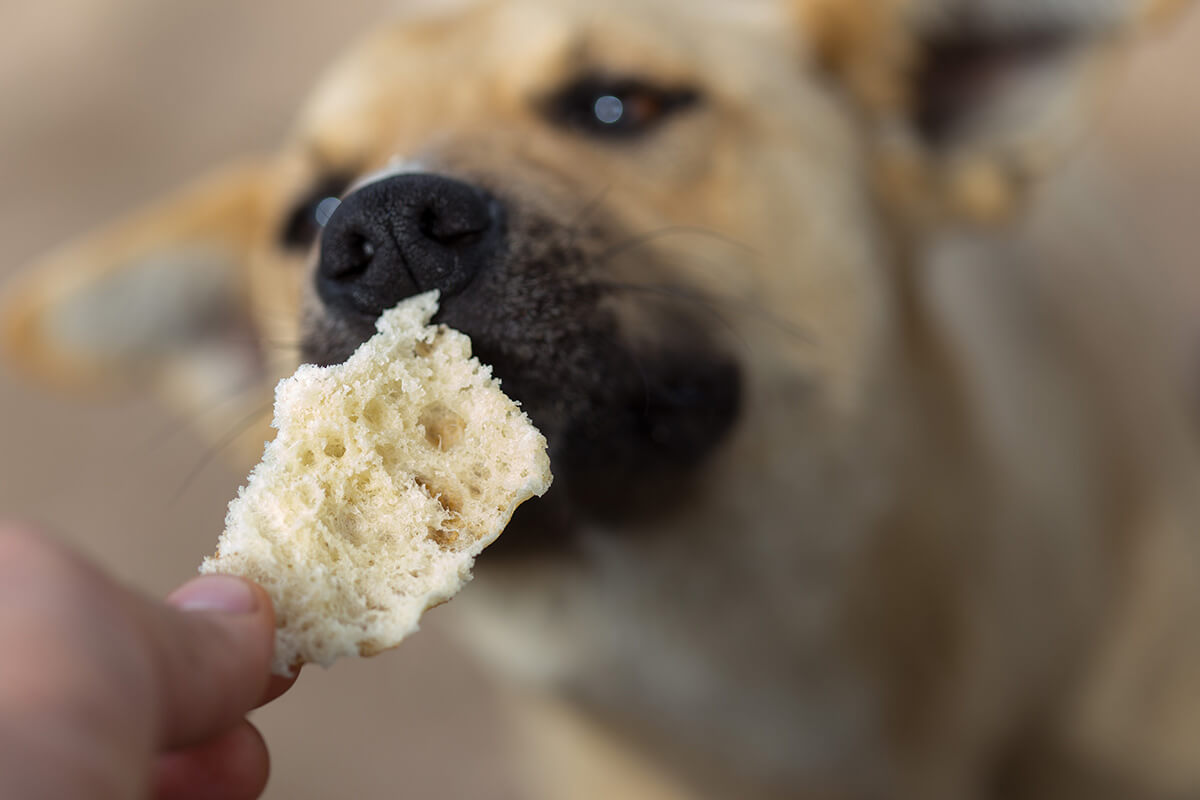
x=132, y=676
x=234, y=766
x=276, y=687
x=211, y=656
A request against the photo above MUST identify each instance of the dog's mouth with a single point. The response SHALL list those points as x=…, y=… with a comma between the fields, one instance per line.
x=627, y=440
x=631, y=389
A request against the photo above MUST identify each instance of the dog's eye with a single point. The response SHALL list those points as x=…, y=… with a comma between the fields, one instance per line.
x=311, y=212
x=616, y=108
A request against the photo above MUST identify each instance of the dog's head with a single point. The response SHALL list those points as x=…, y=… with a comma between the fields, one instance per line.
x=613, y=204
x=681, y=232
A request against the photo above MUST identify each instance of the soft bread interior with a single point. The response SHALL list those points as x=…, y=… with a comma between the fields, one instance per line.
x=388, y=475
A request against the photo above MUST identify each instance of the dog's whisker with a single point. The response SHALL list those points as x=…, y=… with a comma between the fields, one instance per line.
x=587, y=210
x=279, y=344
x=263, y=341
x=631, y=354
x=240, y=427
x=710, y=303
x=680, y=293
x=177, y=423
x=275, y=322
x=643, y=239
x=756, y=312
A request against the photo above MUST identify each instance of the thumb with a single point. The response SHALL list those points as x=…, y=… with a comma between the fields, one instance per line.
x=210, y=647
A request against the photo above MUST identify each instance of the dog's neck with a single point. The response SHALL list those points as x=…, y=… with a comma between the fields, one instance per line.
x=859, y=515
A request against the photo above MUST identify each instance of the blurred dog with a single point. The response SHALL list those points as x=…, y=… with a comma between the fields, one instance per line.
x=834, y=517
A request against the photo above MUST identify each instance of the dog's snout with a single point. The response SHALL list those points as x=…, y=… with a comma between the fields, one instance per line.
x=404, y=235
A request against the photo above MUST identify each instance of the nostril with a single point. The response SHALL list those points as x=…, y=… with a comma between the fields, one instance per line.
x=364, y=248
x=456, y=221
x=356, y=253
x=429, y=225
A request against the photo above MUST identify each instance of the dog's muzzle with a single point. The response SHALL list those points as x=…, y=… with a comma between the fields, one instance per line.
x=631, y=416
x=404, y=235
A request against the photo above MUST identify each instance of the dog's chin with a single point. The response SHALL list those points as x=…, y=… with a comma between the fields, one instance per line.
x=629, y=433
x=633, y=456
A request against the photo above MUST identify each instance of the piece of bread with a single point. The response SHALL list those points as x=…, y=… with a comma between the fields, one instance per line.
x=389, y=474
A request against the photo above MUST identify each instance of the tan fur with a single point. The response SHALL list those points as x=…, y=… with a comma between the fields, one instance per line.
x=948, y=552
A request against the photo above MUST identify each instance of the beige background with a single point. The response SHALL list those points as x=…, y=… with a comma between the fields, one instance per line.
x=105, y=104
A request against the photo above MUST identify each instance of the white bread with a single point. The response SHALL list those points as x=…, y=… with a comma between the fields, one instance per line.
x=389, y=474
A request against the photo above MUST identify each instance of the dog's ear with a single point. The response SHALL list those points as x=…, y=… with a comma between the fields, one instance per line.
x=160, y=297
x=969, y=99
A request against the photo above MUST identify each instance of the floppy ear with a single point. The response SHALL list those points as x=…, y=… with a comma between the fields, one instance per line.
x=160, y=298
x=969, y=99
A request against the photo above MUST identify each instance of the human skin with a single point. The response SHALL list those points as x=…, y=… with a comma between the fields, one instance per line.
x=105, y=693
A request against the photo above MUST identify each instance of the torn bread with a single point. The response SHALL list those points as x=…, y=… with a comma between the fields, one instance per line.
x=388, y=476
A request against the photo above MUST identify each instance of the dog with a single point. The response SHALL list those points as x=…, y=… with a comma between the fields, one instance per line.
x=838, y=513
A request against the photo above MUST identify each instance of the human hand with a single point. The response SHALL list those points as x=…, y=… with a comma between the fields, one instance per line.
x=107, y=694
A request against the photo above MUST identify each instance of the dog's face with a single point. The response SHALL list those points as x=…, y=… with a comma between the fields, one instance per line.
x=608, y=213
x=646, y=229
x=679, y=233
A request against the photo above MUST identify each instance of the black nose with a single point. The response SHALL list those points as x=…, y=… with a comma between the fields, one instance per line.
x=405, y=235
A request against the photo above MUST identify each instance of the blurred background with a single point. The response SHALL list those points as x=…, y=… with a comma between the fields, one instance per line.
x=108, y=103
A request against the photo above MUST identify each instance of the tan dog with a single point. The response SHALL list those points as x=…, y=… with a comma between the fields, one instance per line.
x=832, y=518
